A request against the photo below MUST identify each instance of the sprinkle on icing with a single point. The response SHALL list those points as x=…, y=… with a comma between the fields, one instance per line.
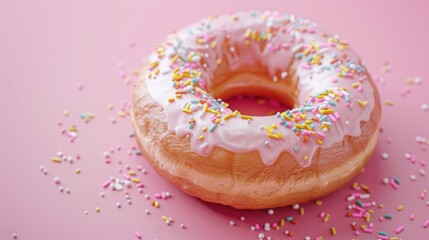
x=338, y=95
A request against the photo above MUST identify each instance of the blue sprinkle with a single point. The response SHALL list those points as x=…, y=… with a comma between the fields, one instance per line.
x=212, y=128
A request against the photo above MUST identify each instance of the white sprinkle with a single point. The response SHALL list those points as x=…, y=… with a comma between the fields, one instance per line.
x=261, y=235
x=385, y=180
x=295, y=206
x=417, y=80
x=275, y=79
x=385, y=155
x=242, y=218
x=363, y=196
x=270, y=211
x=232, y=223
x=422, y=172
x=147, y=211
x=425, y=107
x=283, y=75
x=413, y=177
x=56, y=180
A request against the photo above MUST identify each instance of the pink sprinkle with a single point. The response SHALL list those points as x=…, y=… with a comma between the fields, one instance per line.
x=393, y=184
x=140, y=185
x=360, y=89
x=157, y=196
x=357, y=215
x=106, y=184
x=426, y=224
x=274, y=103
x=399, y=229
x=382, y=237
x=322, y=215
x=357, y=233
x=80, y=86
x=360, y=209
x=337, y=115
x=422, y=195
x=332, y=117
x=321, y=134
x=137, y=234
x=368, y=230
x=257, y=226
x=412, y=217
x=335, y=80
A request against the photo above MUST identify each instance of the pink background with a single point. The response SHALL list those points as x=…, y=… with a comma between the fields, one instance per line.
x=48, y=47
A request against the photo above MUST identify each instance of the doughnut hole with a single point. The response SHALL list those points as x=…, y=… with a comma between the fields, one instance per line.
x=253, y=86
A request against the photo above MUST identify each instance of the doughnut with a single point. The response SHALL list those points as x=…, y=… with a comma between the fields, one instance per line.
x=192, y=138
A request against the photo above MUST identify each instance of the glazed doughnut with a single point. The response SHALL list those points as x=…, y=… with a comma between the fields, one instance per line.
x=191, y=137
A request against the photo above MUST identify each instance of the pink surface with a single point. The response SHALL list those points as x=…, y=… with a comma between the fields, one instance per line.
x=47, y=49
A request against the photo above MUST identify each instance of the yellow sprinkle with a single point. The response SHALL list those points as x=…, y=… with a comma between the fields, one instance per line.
x=204, y=129
x=205, y=107
x=97, y=209
x=269, y=129
x=201, y=137
x=368, y=217
x=389, y=102
x=171, y=99
x=246, y=117
x=282, y=222
x=305, y=158
x=355, y=85
x=122, y=114
x=228, y=116
x=73, y=129
x=77, y=171
x=275, y=136
x=131, y=173
x=299, y=126
x=219, y=61
x=328, y=111
x=56, y=159
x=333, y=231
x=65, y=113
x=217, y=121
x=274, y=126
x=344, y=68
x=174, y=59
x=319, y=141
x=318, y=202
x=400, y=208
x=178, y=95
x=110, y=106
x=235, y=113
x=301, y=211
x=135, y=180
x=186, y=110
x=326, y=218
x=362, y=103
